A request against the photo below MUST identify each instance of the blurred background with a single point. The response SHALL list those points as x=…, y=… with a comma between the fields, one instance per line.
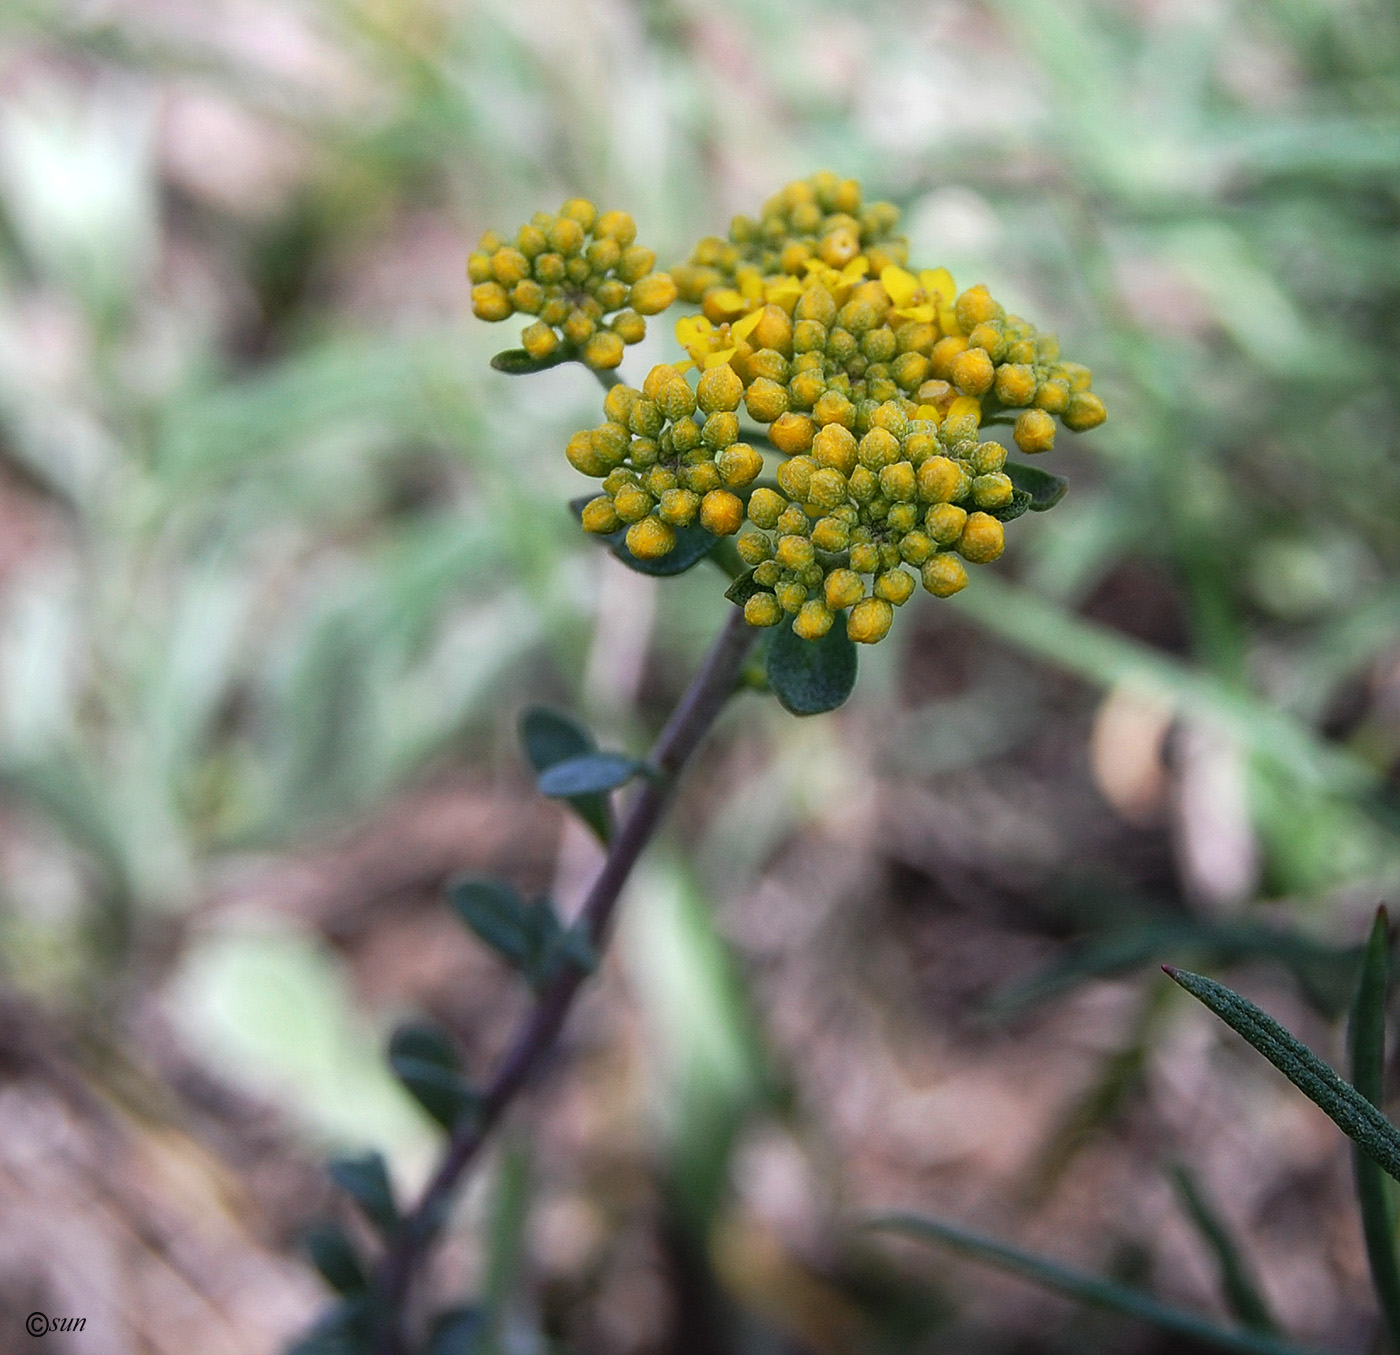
x=282, y=558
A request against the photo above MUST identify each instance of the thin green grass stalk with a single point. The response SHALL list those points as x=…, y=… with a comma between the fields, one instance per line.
x=1086, y=1288
x=1367, y=1048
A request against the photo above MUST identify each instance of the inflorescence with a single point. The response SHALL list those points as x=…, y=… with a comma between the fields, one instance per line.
x=572, y=271
x=870, y=384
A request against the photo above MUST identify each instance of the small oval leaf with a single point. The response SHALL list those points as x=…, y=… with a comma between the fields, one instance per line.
x=588, y=774
x=810, y=677
x=549, y=737
x=426, y=1062
x=1046, y=490
x=496, y=913
x=333, y=1255
x=366, y=1180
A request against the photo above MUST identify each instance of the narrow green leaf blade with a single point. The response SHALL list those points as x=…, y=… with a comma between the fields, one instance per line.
x=810, y=677
x=496, y=913
x=366, y=1180
x=426, y=1062
x=1045, y=490
x=588, y=774
x=333, y=1255
x=1351, y=1112
x=1366, y=1037
x=1086, y=1288
x=550, y=737
x=1241, y=1290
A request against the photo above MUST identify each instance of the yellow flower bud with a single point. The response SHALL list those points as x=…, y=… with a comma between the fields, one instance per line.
x=1085, y=411
x=909, y=370
x=795, y=477
x=580, y=210
x=915, y=547
x=865, y=557
x=508, y=266
x=566, y=237
x=479, y=266
x=679, y=507
x=650, y=539
x=719, y=389
x=898, y=482
x=618, y=402
x=1034, y=431
x=982, y=540
x=942, y=480
x=774, y=330
x=633, y=503
x=945, y=352
x=722, y=513
x=895, y=586
x=944, y=575
x=583, y=456
x=973, y=372
x=739, y=465
x=762, y=609
x=813, y=620
x=618, y=226
x=988, y=458
x=754, y=548
x=992, y=491
x=988, y=337
x=635, y=262
x=869, y=621
x=764, y=507
x=628, y=326
x=830, y=534
x=603, y=351
x=765, y=400
x=490, y=302
x=792, y=433
x=600, y=517
x=1053, y=396
x=719, y=431
x=974, y=307
x=539, y=340
x=578, y=328
x=844, y=588
x=653, y=293
x=795, y=552
x=835, y=447
x=1015, y=384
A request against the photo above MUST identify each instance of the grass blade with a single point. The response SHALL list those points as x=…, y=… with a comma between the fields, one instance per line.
x=1351, y=1112
x=1367, y=1049
x=1086, y=1288
x=1240, y=1288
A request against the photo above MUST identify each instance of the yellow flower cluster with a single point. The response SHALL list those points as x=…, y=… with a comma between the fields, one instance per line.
x=870, y=384
x=573, y=271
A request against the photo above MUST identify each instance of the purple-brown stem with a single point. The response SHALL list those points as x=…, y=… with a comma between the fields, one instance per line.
x=540, y=1028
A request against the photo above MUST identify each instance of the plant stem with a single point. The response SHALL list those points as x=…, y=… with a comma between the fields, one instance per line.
x=539, y=1030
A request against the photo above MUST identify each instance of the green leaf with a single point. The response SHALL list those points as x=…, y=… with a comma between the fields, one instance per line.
x=812, y=676
x=1366, y=1038
x=693, y=544
x=427, y=1064
x=366, y=1180
x=742, y=589
x=517, y=362
x=588, y=774
x=333, y=1255
x=497, y=914
x=1086, y=1288
x=1045, y=490
x=550, y=737
x=1021, y=502
x=1237, y=1281
x=529, y=937
x=1352, y=1113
